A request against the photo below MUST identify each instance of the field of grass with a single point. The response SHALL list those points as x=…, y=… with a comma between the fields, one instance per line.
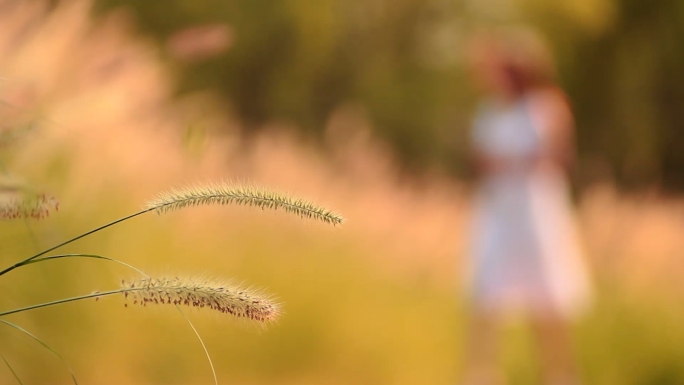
x=375, y=301
x=347, y=318
x=366, y=303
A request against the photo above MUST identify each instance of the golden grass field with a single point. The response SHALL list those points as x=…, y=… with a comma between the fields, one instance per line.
x=375, y=301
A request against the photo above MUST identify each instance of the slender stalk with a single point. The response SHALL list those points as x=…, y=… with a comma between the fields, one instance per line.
x=94, y=256
x=213, y=194
x=206, y=351
x=11, y=369
x=46, y=346
x=21, y=263
x=65, y=300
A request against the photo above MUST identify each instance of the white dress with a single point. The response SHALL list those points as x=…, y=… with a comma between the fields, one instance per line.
x=525, y=250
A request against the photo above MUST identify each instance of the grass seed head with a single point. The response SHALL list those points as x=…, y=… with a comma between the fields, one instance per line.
x=229, y=299
x=224, y=194
x=15, y=205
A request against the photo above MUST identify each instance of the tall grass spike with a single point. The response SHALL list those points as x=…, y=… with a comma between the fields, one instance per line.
x=13, y=206
x=233, y=300
x=247, y=195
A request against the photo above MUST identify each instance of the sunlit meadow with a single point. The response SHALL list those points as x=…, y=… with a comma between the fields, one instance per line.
x=375, y=301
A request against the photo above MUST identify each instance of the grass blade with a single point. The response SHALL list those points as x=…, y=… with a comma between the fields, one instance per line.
x=94, y=256
x=206, y=352
x=46, y=346
x=11, y=369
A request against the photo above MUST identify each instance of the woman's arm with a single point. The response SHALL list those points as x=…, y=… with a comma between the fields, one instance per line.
x=551, y=112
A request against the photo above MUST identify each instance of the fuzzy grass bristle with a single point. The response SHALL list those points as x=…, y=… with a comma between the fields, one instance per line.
x=233, y=300
x=224, y=194
x=13, y=206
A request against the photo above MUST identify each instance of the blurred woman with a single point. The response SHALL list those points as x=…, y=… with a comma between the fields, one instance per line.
x=525, y=254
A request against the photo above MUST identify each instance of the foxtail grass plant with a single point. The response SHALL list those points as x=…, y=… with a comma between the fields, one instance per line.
x=247, y=195
x=216, y=295
x=216, y=194
x=18, y=200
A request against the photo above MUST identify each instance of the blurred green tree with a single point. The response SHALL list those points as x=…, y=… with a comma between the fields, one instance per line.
x=297, y=60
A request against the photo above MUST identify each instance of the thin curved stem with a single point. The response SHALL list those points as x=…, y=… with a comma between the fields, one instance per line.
x=57, y=302
x=64, y=300
x=94, y=256
x=103, y=294
x=206, y=352
x=46, y=346
x=21, y=263
x=11, y=369
x=36, y=258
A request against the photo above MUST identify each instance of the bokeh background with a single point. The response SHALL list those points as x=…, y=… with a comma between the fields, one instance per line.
x=363, y=106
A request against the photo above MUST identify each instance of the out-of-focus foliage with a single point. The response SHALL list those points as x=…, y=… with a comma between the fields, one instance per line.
x=626, y=80
x=293, y=60
x=299, y=60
